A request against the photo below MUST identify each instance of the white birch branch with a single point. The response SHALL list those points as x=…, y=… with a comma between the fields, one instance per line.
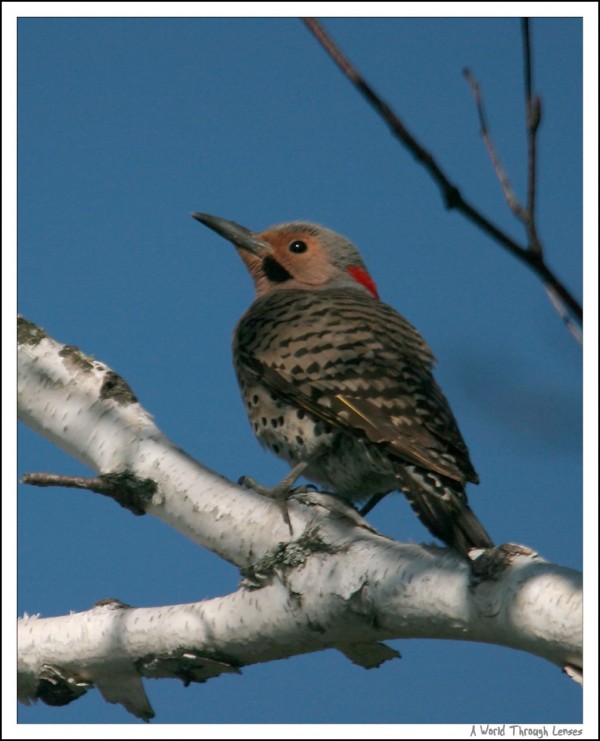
x=333, y=583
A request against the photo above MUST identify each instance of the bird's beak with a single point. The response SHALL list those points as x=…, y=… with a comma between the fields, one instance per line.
x=239, y=235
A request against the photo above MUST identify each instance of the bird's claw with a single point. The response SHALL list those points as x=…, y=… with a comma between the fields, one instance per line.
x=279, y=493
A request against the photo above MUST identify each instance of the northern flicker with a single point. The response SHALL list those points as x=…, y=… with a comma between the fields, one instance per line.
x=340, y=386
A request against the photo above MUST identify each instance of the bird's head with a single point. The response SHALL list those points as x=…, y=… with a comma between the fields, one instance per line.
x=297, y=255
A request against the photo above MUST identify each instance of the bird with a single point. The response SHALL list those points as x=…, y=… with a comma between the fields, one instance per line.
x=340, y=385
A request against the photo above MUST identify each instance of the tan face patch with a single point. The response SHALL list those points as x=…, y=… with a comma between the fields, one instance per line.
x=301, y=254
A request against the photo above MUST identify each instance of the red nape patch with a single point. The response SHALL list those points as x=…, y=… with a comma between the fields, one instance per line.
x=361, y=276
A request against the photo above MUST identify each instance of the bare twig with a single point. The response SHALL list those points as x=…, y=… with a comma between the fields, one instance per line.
x=533, y=113
x=563, y=313
x=129, y=491
x=450, y=192
x=509, y=194
x=525, y=214
x=93, y=483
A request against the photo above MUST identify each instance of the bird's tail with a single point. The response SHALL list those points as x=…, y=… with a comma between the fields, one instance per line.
x=441, y=505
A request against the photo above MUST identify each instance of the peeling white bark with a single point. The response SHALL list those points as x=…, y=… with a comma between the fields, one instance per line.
x=335, y=583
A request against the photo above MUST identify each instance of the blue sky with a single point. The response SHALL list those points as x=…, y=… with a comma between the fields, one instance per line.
x=126, y=126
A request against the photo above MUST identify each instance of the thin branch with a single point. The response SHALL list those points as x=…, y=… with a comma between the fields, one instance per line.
x=92, y=483
x=525, y=214
x=129, y=491
x=563, y=313
x=527, y=58
x=450, y=191
x=533, y=112
x=509, y=193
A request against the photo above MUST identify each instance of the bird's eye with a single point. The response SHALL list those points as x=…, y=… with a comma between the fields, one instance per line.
x=297, y=246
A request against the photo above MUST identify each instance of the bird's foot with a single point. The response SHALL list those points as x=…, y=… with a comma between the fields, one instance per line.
x=280, y=492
